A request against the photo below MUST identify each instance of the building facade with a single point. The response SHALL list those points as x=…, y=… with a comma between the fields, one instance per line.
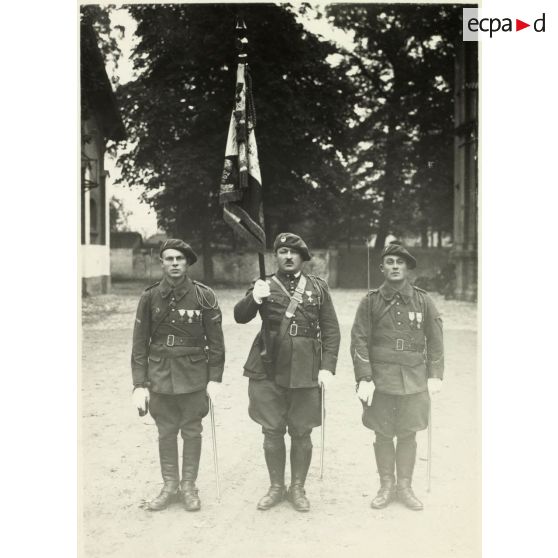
x=465, y=243
x=100, y=123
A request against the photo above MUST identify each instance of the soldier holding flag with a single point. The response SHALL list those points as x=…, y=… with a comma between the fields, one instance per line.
x=304, y=343
x=296, y=349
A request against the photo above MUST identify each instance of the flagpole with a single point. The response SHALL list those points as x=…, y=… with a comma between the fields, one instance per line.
x=256, y=205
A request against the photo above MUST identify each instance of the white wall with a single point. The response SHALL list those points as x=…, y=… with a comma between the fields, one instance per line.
x=95, y=260
x=121, y=262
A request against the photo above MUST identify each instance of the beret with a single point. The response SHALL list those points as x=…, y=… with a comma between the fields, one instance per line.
x=181, y=246
x=290, y=240
x=398, y=250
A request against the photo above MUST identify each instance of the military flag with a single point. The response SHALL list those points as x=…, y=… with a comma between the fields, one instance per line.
x=241, y=183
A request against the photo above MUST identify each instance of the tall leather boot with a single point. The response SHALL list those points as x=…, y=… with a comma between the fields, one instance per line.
x=168, y=457
x=385, y=461
x=301, y=455
x=190, y=464
x=405, y=456
x=275, y=458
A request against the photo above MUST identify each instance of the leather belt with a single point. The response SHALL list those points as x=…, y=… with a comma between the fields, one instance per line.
x=400, y=345
x=177, y=341
x=404, y=345
x=296, y=330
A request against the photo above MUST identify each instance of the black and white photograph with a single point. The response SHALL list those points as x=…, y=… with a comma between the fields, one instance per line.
x=278, y=265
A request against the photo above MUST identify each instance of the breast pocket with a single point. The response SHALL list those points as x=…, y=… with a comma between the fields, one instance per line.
x=311, y=311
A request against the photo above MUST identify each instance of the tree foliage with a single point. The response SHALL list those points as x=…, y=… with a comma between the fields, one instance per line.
x=177, y=114
x=359, y=146
x=99, y=17
x=118, y=215
x=403, y=142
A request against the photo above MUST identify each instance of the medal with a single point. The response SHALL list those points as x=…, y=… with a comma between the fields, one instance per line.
x=419, y=319
x=190, y=315
x=412, y=319
x=197, y=313
x=309, y=295
x=181, y=311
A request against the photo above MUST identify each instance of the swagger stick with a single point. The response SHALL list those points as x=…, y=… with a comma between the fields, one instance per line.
x=215, y=455
x=322, y=391
x=429, y=456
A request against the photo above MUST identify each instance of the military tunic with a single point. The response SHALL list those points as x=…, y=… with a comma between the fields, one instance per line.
x=178, y=341
x=397, y=342
x=177, y=348
x=312, y=340
x=310, y=344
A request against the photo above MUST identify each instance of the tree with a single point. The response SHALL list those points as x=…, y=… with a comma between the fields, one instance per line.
x=118, y=216
x=177, y=114
x=402, y=145
x=99, y=17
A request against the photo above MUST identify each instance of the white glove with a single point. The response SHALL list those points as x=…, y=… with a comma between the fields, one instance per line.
x=140, y=396
x=325, y=378
x=365, y=391
x=261, y=291
x=434, y=386
x=213, y=390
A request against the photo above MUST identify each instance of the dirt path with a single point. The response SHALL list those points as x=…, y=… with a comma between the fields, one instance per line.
x=120, y=463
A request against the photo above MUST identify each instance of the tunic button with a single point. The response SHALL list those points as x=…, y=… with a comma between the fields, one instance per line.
x=398, y=313
x=172, y=321
x=398, y=323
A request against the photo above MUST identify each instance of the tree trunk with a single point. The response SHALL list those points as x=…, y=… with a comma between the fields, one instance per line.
x=207, y=253
x=390, y=180
x=350, y=220
x=386, y=216
x=424, y=235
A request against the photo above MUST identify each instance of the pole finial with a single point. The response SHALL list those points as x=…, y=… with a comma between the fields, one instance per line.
x=241, y=40
x=240, y=25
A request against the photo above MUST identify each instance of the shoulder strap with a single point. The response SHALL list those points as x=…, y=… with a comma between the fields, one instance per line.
x=296, y=299
x=160, y=320
x=151, y=286
x=384, y=311
x=281, y=286
x=372, y=324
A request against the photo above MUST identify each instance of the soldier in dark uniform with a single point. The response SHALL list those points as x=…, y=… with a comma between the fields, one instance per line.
x=305, y=337
x=398, y=357
x=178, y=357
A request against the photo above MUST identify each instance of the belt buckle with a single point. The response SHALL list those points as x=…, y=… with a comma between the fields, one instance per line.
x=399, y=344
x=170, y=340
x=293, y=332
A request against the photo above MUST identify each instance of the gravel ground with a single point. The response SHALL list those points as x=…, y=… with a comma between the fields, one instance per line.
x=119, y=461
